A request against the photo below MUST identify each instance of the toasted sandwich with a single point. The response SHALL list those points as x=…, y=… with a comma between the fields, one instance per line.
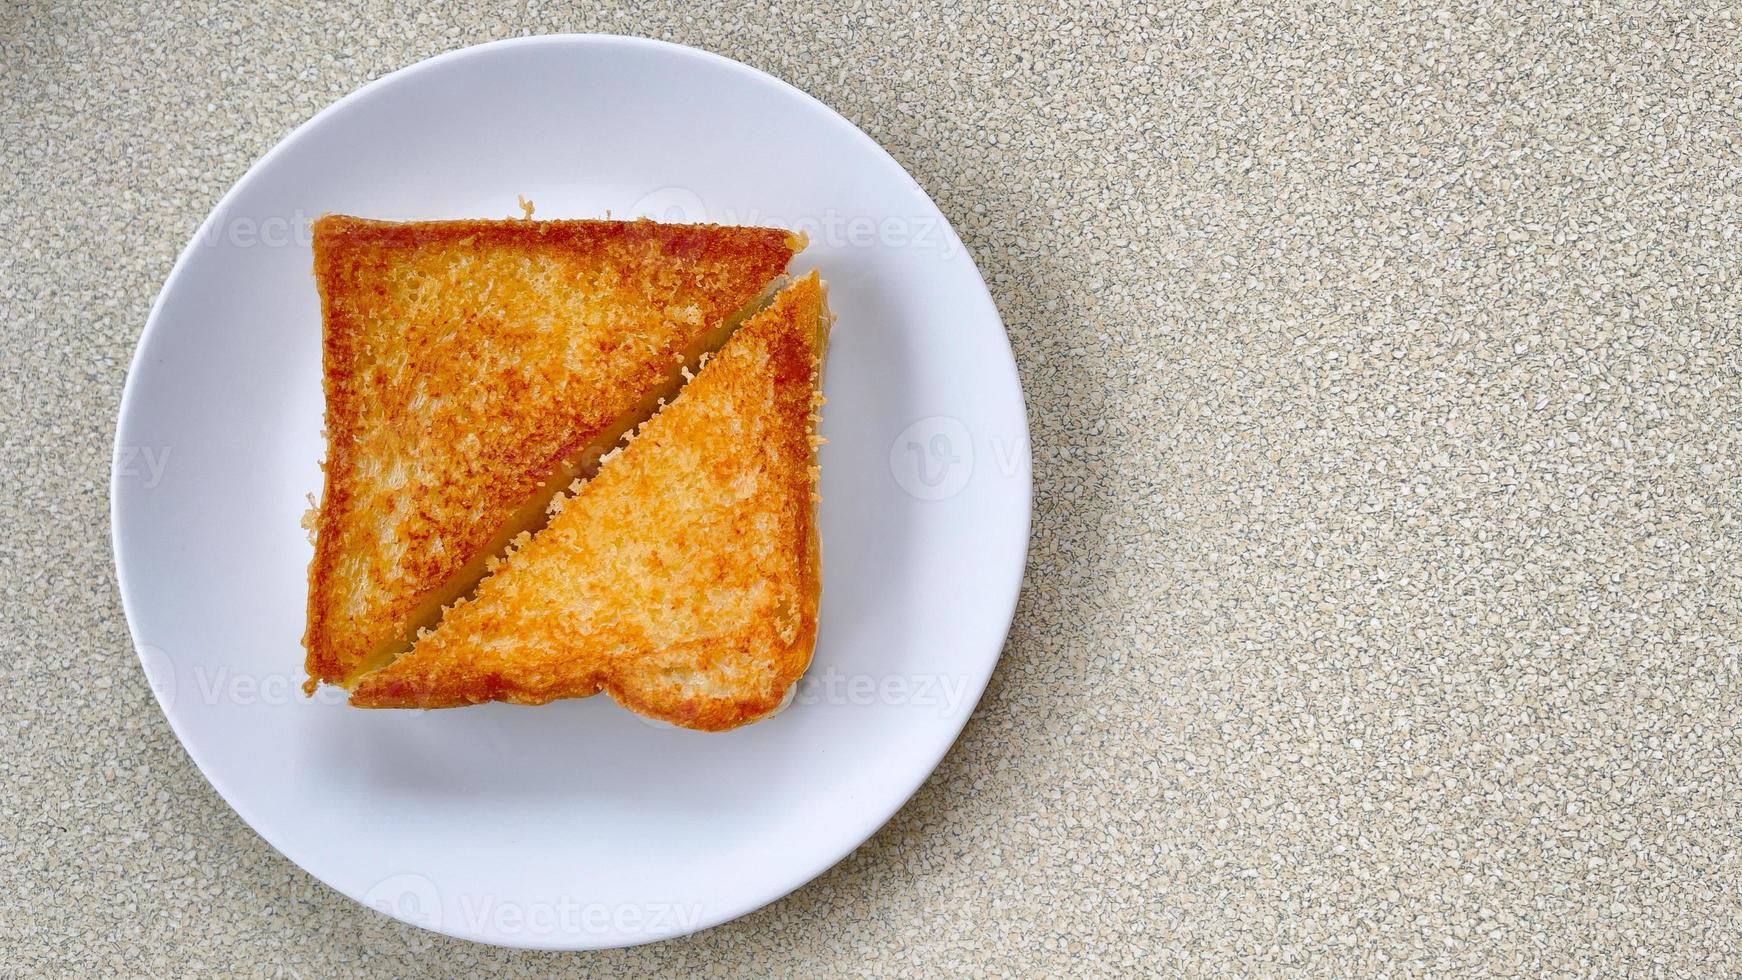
x=682, y=579
x=474, y=369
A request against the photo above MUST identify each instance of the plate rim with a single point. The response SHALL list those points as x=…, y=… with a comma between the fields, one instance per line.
x=580, y=43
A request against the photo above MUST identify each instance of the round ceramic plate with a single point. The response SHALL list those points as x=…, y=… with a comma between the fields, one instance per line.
x=576, y=824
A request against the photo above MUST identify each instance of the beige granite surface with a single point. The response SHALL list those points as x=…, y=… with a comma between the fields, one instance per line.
x=1385, y=597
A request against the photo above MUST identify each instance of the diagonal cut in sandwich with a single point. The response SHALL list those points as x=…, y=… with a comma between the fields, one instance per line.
x=683, y=579
x=474, y=369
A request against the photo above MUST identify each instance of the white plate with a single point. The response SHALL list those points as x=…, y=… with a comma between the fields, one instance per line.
x=574, y=825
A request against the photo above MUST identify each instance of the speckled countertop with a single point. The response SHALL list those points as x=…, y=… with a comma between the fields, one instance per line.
x=1385, y=376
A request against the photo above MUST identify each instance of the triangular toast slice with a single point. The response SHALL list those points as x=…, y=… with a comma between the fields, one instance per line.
x=475, y=368
x=683, y=579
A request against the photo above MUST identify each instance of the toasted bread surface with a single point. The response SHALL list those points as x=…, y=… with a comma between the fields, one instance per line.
x=470, y=364
x=683, y=579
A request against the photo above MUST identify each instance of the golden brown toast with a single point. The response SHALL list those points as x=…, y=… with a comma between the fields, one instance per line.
x=473, y=369
x=683, y=579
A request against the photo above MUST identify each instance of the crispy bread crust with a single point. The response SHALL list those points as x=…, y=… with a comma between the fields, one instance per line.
x=684, y=579
x=466, y=362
